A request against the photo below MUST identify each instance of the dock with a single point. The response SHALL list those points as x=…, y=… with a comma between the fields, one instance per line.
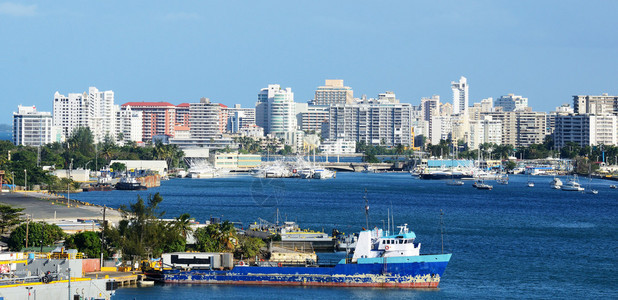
x=123, y=278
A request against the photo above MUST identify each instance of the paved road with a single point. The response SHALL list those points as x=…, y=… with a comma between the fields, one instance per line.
x=44, y=207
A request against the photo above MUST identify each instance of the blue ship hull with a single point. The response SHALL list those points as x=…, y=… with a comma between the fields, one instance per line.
x=424, y=271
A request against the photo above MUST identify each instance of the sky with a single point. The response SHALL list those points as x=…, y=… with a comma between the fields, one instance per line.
x=179, y=51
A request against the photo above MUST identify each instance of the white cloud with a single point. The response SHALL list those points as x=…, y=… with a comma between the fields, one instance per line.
x=181, y=16
x=17, y=9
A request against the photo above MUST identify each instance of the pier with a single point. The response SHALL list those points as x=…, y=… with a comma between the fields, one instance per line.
x=122, y=278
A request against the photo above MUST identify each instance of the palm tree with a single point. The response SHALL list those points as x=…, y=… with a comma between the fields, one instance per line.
x=183, y=225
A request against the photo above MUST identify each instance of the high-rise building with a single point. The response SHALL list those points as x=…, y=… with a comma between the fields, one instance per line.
x=474, y=111
x=32, y=128
x=94, y=109
x=239, y=117
x=512, y=102
x=275, y=111
x=182, y=114
x=485, y=131
x=333, y=92
x=311, y=117
x=596, y=105
x=100, y=112
x=69, y=112
x=521, y=128
x=430, y=107
x=205, y=120
x=460, y=95
x=158, y=118
x=586, y=129
x=375, y=124
x=128, y=125
x=441, y=128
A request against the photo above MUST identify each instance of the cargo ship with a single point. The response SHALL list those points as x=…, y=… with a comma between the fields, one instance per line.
x=380, y=260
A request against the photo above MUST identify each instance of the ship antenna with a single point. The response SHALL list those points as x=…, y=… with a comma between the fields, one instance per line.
x=441, y=230
x=366, y=210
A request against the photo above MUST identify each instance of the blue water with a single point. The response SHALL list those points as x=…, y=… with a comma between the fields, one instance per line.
x=511, y=242
x=6, y=135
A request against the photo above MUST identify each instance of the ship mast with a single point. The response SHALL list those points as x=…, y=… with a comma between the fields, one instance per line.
x=442, y=230
x=366, y=210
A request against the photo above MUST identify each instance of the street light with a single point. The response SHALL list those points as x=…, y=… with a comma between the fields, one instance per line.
x=86, y=166
x=25, y=180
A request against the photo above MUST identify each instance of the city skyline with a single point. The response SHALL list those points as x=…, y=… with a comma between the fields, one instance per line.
x=180, y=53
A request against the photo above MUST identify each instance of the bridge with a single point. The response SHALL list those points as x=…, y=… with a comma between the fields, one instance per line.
x=357, y=166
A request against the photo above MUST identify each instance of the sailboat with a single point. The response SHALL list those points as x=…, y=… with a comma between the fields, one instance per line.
x=530, y=182
x=590, y=190
x=453, y=181
x=572, y=185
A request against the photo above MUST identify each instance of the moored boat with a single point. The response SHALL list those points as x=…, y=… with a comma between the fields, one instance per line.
x=556, y=183
x=572, y=185
x=380, y=260
x=129, y=183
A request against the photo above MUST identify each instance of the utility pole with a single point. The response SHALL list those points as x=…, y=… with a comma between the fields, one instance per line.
x=69, y=270
x=25, y=180
x=103, y=235
x=27, y=230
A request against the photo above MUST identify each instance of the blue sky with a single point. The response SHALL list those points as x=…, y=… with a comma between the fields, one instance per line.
x=229, y=50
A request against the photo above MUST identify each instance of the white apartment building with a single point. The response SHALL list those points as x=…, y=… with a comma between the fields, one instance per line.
x=460, y=95
x=32, y=128
x=128, y=125
x=485, y=131
x=204, y=120
x=338, y=147
x=311, y=117
x=596, y=105
x=375, y=124
x=94, y=109
x=512, y=102
x=586, y=129
x=100, y=113
x=275, y=111
x=521, y=128
x=69, y=112
x=440, y=128
x=333, y=92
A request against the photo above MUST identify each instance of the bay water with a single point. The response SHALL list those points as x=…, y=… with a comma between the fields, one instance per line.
x=511, y=242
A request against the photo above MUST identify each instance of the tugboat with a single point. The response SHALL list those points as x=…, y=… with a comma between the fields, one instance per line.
x=130, y=183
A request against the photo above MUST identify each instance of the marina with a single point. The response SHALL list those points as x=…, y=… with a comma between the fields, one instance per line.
x=480, y=231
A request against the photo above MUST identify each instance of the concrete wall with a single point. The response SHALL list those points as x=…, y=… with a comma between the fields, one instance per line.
x=37, y=267
x=87, y=289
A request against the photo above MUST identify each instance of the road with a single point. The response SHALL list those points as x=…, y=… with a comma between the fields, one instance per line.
x=45, y=207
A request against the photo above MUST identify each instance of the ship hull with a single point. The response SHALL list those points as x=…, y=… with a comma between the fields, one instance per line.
x=423, y=271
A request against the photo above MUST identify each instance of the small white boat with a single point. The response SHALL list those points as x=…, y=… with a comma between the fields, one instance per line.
x=530, y=184
x=455, y=182
x=556, y=184
x=481, y=185
x=591, y=191
x=613, y=186
x=572, y=186
x=323, y=174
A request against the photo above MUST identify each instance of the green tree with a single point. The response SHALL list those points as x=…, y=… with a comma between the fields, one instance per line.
x=216, y=238
x=248, y=246
x=87, y=242
x=39, y=233
x=9, y=216
x=118, y=167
